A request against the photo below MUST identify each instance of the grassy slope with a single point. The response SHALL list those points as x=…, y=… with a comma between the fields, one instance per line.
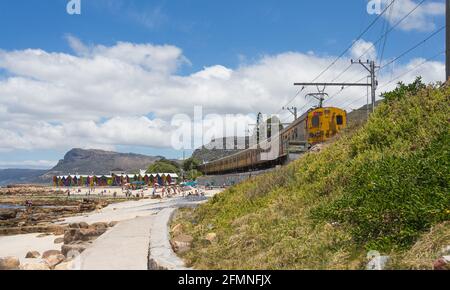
x=377, y=188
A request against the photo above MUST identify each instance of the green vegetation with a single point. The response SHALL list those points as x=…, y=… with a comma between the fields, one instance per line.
x=164, y=166
x=383, y=186
x=190, y=168
x=167, y=166
x=425, y=251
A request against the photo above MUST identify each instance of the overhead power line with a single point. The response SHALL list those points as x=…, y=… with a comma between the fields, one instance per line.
x=412, y=48
x=384, y=36
x=345, y=51
x=401, y=55
x=356, y=40
x=413, y=69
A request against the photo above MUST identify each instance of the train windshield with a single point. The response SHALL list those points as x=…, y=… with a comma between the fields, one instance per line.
x=315, y=122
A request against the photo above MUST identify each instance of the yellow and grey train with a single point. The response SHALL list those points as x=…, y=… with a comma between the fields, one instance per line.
x=314, y=127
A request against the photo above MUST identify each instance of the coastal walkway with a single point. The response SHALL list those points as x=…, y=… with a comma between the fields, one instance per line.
x=140, y=241
x=124, y=247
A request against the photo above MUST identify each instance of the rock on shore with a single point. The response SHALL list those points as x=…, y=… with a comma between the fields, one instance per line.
x=9, y=263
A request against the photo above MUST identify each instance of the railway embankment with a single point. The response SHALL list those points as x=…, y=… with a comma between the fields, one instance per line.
x=380, y=188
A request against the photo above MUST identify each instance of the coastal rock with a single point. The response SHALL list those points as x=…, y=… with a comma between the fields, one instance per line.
x=87, y=234
x=56, y=230
x=182, y=243
x=112, y=224
x=83, y=225
x=100, y=225
x=33, y=255
x=39, y=266
x=101, y=231
x=68, y=237
x=66, y=249
x=49, y=253
x=59, y=240
x=177, y=230
x=6, y=214
x=442, y=263
x=54, y=260
x=9, y=263
x=73, y=235
x=74, y=226
x=64, y=266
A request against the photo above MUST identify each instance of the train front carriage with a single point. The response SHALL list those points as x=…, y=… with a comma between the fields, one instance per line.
x=325, y=123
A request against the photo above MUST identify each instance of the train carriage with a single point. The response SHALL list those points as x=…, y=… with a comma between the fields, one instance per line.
x=316, y=126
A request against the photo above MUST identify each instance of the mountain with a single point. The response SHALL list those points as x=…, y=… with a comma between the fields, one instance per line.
x=81, y=161
x=8, y=176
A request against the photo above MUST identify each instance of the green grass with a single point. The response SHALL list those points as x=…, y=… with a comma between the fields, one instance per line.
x=380, y=187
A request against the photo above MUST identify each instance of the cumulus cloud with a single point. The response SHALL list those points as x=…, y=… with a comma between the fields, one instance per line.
x=422, y=19
x=363, y=50
x=29, y=164
x=127, y=94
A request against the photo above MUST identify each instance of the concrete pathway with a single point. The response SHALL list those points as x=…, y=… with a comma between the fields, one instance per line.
x=124, y=247
x=140, y=241
x=162, y=256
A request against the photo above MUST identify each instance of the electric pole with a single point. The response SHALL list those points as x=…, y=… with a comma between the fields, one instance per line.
x=447, y=47
x=369, y=66
x=292, y=110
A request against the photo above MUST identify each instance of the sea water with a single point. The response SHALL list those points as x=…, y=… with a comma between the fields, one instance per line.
x=10, y=206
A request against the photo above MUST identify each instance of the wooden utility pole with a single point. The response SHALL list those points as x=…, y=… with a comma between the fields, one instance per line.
x=447, y=40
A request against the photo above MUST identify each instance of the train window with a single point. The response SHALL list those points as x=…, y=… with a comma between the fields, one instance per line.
x=340, y=120
x=315, y=121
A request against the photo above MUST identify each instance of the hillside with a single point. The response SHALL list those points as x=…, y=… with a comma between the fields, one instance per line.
x=384, y=187
x=8, y=176
x=101, y=162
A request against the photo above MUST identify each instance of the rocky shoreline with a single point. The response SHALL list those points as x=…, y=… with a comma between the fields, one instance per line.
x=77, y=237
x=48, y=207
x=40, y=210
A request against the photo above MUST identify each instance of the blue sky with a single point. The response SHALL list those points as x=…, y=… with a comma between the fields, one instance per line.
x=209, y=32
x=236, y=35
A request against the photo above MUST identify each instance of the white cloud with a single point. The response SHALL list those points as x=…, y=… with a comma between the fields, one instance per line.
x=29, y=164
x=102, y=97
x=363, y=50
x=422, y=19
